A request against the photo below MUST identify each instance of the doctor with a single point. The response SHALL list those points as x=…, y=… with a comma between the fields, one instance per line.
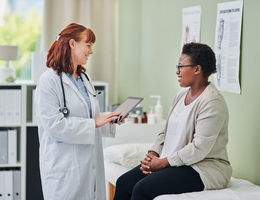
x=69, y=125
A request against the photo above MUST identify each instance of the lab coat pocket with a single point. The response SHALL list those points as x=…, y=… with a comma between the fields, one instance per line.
x=60, y=158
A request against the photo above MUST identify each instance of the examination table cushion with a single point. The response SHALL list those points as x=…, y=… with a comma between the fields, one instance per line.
x=237, y=189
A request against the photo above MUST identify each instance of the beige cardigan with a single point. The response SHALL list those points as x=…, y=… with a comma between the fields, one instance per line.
x=207, y=130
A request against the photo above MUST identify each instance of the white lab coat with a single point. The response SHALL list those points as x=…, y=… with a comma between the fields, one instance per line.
x=71, y=155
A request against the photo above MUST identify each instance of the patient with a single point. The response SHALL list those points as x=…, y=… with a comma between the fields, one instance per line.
x=190, y=153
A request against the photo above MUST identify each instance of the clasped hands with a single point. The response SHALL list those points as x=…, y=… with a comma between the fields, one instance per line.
x=152, y=163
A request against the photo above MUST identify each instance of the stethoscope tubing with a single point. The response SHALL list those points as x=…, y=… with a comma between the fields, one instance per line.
x=65, y=110
x=92, y=87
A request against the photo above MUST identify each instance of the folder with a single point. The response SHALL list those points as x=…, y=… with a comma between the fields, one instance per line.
x=34, y=118
x=12, y=146
x=8, y=177
x=17, y=106
x=3, y=147
x=2, y=107
x=2, y=185
x=8, y=107
x=16, y=185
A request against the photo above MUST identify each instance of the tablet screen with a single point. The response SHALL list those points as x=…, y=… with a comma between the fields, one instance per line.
x=129, y=104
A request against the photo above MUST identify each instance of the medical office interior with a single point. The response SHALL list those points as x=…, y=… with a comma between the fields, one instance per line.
x=137, y=48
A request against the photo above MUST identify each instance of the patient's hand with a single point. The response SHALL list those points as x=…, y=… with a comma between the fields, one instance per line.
x=152, y=163
x=144, y=163
x=144, y=166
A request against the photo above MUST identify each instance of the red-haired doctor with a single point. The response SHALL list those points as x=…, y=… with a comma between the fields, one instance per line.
x=69, y=123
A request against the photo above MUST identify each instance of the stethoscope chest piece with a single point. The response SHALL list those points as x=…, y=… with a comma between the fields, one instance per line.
x=65, y=111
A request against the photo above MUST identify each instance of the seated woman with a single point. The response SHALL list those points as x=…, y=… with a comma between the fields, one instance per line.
x=190, y=154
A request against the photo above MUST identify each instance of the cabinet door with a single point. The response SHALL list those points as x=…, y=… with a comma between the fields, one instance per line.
x=33, y=180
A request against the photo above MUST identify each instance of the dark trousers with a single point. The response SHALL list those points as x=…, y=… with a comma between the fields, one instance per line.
x=135, y=185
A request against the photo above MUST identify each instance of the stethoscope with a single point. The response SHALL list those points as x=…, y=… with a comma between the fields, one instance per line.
x=65, y=110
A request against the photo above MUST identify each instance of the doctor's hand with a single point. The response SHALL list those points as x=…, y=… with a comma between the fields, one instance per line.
x=102, y=120
x=123, y=120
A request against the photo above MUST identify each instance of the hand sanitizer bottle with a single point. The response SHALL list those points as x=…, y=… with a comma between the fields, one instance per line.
x=139, y=117
x=151, y=116
x=158, y=109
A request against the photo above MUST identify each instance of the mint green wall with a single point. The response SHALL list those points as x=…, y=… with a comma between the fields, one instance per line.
x=149, y=45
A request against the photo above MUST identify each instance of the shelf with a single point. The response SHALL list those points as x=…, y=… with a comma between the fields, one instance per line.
x=27, y=136
x=18, y=83
x=31, y=124
x=10, y=125
x=22, y=92
x=10, y=165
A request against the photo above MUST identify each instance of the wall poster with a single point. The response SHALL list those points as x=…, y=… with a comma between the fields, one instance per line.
x=227, y=46
x=191, y=17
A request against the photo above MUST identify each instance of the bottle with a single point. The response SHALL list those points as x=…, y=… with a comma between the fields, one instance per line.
x=136, y=120
x=130, y=118
x=144, y=118
x=139, y=116
x=158, y=109
x=151, y=116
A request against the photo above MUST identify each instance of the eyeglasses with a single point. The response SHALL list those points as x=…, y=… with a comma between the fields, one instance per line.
x=178, y=67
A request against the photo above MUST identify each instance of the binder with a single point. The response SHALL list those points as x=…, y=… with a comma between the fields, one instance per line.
x=2, y=107
x=3, y=147
x=34, y=118
x=8, y=106
x=2, y=185
x=16, y=185
x=17, y=106
x=8, y=177
x=12, y=146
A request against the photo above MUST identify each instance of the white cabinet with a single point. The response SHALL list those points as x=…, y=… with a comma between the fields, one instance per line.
x=17, y=114
x=15, y=117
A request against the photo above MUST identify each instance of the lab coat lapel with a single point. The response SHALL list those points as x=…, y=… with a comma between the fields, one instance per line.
x=92, y=100
x=66, y=80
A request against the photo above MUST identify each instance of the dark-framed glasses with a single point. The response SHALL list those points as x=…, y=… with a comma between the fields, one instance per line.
x=178, y=67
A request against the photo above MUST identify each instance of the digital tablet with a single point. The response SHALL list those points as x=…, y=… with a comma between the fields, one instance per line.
x=129, y=104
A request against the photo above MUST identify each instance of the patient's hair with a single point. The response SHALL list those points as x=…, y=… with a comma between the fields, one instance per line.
x=59, y=54
x=203, y=55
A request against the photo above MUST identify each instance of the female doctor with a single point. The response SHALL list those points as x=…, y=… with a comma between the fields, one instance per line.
x=69, y=125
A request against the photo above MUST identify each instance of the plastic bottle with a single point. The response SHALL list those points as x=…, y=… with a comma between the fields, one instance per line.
x=151, y=116
x=130, y=119
x=158, y=109
x=144, y=118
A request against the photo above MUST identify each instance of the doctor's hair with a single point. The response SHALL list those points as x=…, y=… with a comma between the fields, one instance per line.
x=203, y=55
x=59, y=54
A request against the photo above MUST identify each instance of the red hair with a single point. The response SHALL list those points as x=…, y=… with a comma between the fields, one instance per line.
x=59, y=54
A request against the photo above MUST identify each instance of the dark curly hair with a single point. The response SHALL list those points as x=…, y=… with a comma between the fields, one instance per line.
x=203, y=55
